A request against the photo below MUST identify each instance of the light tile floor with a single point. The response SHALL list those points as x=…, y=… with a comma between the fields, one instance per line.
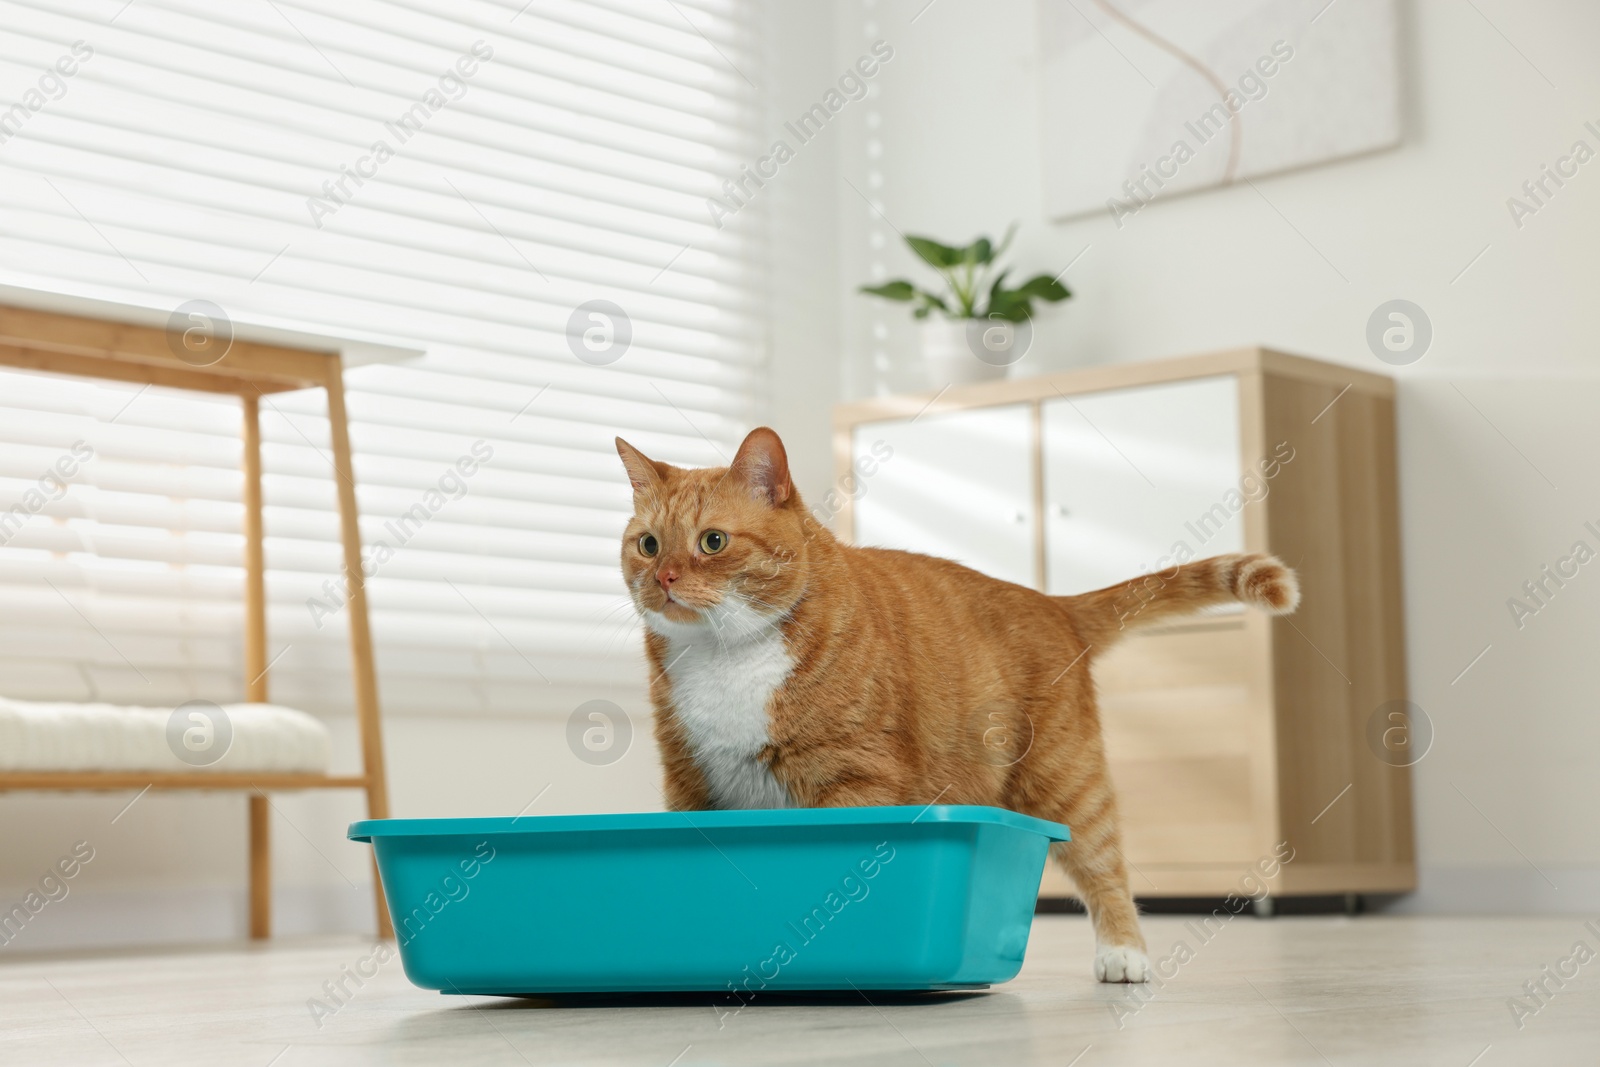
x=1370, y=990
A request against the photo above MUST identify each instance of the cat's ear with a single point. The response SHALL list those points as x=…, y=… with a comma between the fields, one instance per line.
x=644, y=473
x=763, y=467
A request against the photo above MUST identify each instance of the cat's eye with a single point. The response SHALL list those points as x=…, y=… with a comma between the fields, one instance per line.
x=713, y=541
x=649, y=545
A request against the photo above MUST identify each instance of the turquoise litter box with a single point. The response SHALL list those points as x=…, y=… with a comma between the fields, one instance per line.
x=740, y=902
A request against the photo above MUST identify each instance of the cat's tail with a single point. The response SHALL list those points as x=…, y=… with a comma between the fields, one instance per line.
x=1105, y=615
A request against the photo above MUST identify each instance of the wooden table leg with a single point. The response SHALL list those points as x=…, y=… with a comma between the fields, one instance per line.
x=362, y=667
x=255, y=663
x=260, y=868
x=385, y=924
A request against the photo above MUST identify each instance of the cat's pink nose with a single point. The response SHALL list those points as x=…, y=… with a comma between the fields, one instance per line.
x=666, y=576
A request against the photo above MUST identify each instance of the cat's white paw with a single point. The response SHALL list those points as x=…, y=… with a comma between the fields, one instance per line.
x=1121, y=963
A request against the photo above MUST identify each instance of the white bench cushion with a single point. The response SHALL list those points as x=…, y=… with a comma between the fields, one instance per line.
x=120, y=737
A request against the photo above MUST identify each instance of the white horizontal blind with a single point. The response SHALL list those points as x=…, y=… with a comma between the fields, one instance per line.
x=541, y=158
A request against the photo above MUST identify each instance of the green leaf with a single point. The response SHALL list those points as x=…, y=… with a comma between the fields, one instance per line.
x=1044, y=287
x=998, y=281
x=1011, y=305
x=935, y=254
x=959, y=270
x=895, y=290
x=1005, y=242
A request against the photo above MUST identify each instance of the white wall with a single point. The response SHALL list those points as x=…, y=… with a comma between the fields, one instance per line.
x=1500, y=408
x=801, y=210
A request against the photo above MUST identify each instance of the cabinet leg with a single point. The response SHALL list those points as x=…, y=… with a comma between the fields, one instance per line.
x=1265, y=908
x=1354, y=904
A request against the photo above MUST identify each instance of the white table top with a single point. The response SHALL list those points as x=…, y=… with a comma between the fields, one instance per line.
x=354, y=348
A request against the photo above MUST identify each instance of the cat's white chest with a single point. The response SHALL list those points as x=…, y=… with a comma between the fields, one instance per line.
x=721, y=693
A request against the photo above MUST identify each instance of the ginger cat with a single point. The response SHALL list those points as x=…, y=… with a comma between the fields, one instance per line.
x=793, y=670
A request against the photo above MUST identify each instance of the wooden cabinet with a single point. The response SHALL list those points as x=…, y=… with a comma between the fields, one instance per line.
x=1128, y=472
x=958, y=485
x=1231, y=732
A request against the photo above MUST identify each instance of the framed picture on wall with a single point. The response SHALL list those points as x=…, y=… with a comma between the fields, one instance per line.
x=1146, y=99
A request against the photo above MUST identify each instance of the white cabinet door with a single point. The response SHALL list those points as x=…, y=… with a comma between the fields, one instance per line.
x=1131, y=473
x=958, y=485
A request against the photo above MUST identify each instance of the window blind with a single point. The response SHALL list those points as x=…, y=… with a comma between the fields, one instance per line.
x=461, y=178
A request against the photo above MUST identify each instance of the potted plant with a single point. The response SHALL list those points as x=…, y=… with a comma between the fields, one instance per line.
x=976, y=327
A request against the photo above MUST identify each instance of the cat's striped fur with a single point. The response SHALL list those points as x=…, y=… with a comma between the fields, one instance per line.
x=790, y=668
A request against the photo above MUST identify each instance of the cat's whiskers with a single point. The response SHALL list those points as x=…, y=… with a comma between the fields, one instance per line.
x=716, y=629
x=773, y=610
x=776, y=611
x=752, y=621
x=622, y=634
x=618, y=630
x=622, y=604
x=735, y=620
x=744, y=626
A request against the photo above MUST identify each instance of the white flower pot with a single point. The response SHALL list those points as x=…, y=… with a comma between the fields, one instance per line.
x=950, y=350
